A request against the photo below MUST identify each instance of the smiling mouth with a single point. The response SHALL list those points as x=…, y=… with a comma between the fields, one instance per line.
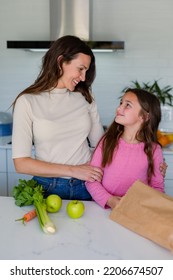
x=75, y=82
x=119, y=115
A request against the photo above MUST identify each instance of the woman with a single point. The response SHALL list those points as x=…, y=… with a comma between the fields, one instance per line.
x=129, y=150
x=58, y=114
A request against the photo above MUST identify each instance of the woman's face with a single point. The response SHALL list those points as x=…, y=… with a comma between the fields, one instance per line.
x=128, y=112
x=74, y=71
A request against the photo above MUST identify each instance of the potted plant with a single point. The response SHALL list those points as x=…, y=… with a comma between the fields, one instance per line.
x=164, y=94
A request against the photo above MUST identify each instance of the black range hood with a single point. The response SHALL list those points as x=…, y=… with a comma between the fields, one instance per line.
x=70, y=17
x=45, y=45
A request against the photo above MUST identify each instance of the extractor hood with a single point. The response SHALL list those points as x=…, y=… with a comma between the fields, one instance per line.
x=69, y=17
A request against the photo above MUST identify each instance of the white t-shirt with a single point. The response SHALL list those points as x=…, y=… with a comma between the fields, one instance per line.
x=58, y=123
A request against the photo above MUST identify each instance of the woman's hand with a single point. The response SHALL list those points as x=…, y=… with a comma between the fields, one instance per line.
x=87, y=172
x=113, y=201
x=163, y=168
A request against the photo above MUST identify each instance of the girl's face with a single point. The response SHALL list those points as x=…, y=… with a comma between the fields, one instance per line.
x=74, y=71
x=128, y=112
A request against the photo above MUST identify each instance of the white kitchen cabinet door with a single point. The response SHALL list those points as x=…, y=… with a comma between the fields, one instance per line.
x=3, y=164
x=3, y=173
x=169, y=173
x=3, y=184
x=169, y=187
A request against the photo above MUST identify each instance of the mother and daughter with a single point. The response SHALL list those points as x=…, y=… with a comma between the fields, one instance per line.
x=58, y=115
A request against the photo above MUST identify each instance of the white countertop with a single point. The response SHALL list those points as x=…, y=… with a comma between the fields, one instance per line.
x=92, y=237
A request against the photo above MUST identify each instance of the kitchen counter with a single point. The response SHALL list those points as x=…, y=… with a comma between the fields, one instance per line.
x=92, y=237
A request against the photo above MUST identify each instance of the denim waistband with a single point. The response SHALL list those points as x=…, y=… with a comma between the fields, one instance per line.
x=54, y=179
x=66, y=188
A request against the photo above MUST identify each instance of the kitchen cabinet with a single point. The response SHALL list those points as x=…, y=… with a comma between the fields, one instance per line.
x=3, y=173
x=9, y=178
x=168, y=156
x=3, y=184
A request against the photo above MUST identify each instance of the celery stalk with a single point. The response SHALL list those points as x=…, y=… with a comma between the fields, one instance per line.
x=45, y=222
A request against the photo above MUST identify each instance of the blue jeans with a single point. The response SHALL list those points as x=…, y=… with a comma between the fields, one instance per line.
x=66, y=188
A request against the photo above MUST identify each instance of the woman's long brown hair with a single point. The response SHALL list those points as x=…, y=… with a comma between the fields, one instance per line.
x=148, y=132
x=68, y=47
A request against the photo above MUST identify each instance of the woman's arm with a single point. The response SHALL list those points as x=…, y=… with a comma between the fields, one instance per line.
x=163, y=168
x=157, y=180
x=97, y=130
x=36, y=167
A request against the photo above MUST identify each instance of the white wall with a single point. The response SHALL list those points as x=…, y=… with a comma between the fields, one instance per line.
x=145, y=26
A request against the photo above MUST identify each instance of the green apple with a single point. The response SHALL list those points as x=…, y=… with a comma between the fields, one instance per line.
x=75, y=209
x=53, y=203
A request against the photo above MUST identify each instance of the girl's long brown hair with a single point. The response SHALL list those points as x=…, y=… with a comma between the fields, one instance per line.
x=148, y=132
x=68, y=47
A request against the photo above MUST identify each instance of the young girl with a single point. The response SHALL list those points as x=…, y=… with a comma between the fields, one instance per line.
x=129, y=150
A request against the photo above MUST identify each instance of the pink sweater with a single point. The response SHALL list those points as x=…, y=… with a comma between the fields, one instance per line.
x=128, y=165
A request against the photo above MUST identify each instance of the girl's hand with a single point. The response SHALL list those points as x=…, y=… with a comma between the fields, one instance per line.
x=113, y=201
x=87, y=172
x=163, y=168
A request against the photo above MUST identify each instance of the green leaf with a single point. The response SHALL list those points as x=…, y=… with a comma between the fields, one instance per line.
x=165, y=94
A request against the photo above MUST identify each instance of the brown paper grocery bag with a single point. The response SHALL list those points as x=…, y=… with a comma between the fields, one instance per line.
x=147, y=212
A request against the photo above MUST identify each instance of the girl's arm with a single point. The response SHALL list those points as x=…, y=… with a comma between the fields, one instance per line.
x=113, y=201
x=96, y=188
